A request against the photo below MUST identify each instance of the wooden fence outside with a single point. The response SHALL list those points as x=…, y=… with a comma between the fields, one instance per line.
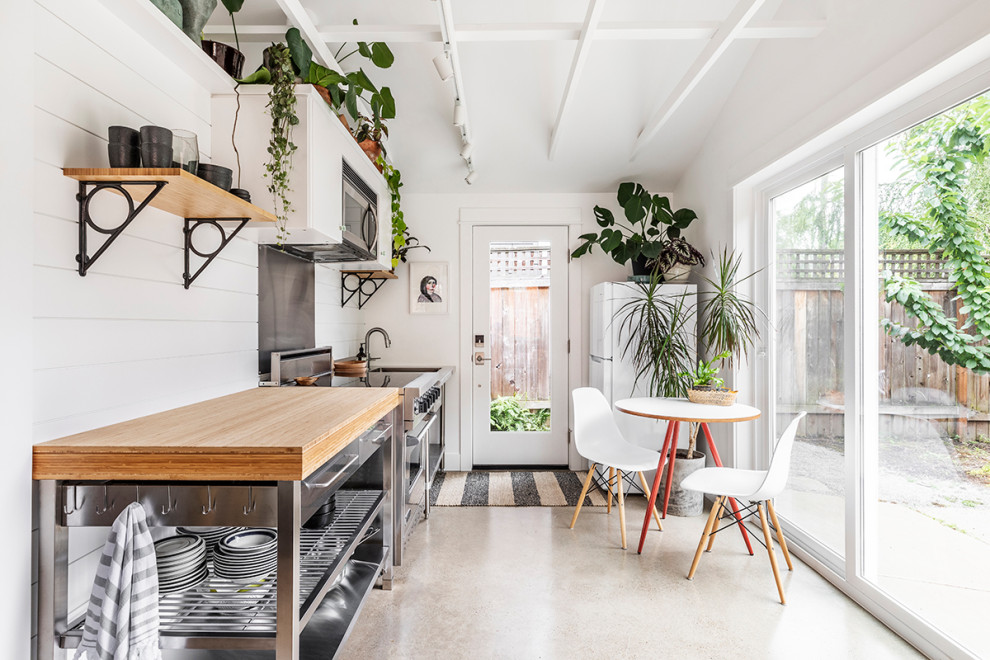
x=912, y=383
x=520, y=322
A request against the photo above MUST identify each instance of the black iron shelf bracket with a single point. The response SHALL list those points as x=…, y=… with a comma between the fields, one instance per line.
x=192, y=224
x=359, y=291
x=87, y=191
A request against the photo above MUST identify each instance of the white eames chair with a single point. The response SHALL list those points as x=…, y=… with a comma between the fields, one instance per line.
x=755, y=486
x=598, y=439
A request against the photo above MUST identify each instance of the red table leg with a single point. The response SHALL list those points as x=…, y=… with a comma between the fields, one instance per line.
x=732, y=502
x=656, y=486
x=670, y=467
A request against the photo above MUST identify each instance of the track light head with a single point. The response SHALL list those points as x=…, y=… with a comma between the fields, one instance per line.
x=460, y=115
x=471, y=177
x=467, y=150
x=444, y=69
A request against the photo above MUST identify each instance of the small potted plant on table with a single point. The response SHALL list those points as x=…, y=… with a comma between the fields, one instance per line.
x=706, y=385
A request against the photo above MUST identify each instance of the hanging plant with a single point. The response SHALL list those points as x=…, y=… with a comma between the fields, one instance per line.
x=282, y=108
x=402, y=241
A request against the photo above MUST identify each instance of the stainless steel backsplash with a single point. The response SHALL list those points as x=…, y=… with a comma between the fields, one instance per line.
x=286, y=304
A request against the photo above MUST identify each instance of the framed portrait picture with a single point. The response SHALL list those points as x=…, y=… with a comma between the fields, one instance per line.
x=428, y=287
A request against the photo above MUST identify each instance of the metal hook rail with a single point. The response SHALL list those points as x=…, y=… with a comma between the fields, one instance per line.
x=210, y=501
x=107, y=502
x=169, y=502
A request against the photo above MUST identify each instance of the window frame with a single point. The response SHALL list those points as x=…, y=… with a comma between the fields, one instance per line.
x=847, y=145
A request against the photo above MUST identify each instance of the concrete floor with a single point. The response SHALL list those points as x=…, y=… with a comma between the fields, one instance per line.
x=488, y=582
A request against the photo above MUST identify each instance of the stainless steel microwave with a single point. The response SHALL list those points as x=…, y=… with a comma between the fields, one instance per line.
x=359, y=227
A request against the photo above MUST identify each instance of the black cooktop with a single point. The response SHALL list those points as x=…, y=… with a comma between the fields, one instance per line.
x=385, y=379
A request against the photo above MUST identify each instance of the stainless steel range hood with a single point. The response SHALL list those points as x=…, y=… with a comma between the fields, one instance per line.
x=321, y=253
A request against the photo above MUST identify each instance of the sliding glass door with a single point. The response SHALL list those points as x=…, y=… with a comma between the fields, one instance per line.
x=880, y=332
x=807, y=323
x=929, y=543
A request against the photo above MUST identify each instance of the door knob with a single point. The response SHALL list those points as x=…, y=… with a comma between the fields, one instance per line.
x=479, y=359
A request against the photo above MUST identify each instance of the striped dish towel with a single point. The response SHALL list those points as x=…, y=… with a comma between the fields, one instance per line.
x=122, y=619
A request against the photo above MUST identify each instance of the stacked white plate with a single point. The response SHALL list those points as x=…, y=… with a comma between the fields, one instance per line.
x=181, y=562
x=246, y=555
x=211, y=535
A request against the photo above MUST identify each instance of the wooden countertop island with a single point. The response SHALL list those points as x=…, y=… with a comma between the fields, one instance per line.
x=262, y=434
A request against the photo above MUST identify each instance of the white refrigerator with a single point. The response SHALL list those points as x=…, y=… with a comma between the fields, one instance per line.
x=614, y=374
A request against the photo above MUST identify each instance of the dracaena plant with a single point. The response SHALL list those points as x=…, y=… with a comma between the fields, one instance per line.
x=651, y=228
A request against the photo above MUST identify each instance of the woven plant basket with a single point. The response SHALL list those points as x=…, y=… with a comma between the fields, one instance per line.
x=713, y=397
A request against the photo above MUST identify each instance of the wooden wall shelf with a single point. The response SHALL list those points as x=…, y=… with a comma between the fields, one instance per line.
x=169, y=189
x=186, y=195
x=375, y=277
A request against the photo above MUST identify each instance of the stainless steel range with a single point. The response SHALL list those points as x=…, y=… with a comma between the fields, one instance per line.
x=422, y=420
x=423, y=450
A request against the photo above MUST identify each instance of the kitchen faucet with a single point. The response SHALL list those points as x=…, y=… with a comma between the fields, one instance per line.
x=367, y=342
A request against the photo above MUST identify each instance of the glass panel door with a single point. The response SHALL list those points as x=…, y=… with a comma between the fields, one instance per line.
x=519, y=338
x=808, y=331
x=930, y=543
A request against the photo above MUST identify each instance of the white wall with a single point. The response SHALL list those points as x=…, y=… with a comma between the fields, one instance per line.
x=16, y=177
x=438, y=340
x=125, y=340
x=792, y=93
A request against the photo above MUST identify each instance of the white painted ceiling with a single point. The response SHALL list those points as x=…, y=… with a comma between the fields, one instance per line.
x=514, y=80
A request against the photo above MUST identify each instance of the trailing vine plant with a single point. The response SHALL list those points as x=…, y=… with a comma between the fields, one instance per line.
x=282, y=108
x=402, y=241
x=941, y=152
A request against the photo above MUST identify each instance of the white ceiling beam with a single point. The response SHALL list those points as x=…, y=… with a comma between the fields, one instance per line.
x=511, y=32
x=714, y=49
x=595, y=8
x=782, y=30
x=297, y=16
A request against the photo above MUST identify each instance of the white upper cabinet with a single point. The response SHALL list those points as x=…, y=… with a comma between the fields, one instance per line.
x=316, y=178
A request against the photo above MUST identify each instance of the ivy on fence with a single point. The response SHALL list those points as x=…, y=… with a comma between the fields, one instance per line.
x=941, y=153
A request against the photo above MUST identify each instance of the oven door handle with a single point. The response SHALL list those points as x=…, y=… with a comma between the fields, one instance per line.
x=421, y=440
x=430, y=421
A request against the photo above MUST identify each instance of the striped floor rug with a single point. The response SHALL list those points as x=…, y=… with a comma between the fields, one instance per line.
x=508, y=488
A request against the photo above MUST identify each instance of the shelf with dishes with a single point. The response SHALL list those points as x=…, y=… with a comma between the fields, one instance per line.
x=200, y=203
x=230, y=609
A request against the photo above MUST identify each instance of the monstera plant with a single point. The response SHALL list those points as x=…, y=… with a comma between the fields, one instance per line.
x=649, y=236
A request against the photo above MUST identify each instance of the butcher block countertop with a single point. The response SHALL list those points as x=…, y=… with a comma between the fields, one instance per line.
x=263, y=434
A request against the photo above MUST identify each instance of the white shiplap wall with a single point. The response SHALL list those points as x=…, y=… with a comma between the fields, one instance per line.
x=127, y=340
x=341, y=328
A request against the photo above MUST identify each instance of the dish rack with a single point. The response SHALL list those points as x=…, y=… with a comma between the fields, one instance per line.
x=328, y=571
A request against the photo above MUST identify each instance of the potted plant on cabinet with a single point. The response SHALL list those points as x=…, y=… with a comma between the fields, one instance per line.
x=369, y=137
x=650, y=236
x=230, y=58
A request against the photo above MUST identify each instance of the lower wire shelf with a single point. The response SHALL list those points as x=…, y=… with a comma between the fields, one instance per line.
x=214, y=616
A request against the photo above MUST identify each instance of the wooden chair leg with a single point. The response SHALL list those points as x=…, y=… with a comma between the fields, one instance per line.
x=773, y=558
x=611, y=479
x=622, y=511
x=584, y=491
x=704, y=535
x=780, y=535
x=718, y=521
x=646, y=494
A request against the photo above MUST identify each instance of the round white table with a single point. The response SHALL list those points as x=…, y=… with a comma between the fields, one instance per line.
x=676, y=411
